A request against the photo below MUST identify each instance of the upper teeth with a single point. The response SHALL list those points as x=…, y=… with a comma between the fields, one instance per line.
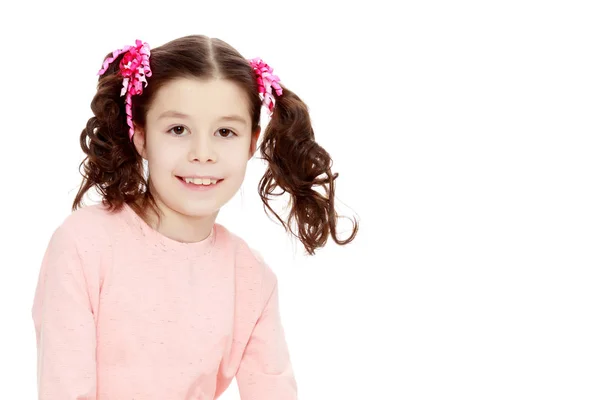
x=200, y=181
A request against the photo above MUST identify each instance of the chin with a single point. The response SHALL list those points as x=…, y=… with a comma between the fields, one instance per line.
x=197, y=211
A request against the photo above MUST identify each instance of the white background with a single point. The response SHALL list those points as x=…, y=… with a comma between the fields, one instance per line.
x=466, y=137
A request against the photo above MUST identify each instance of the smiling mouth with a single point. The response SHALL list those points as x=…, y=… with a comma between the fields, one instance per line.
x=199, y=181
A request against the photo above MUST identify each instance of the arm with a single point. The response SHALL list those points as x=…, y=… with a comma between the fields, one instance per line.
x=64, y=324
x=265, y=371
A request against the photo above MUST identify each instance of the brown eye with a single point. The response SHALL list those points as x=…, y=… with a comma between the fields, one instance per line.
x=226, y=131
x=178, y=130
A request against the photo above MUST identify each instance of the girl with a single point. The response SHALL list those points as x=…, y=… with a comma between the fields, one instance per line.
x=144, y=296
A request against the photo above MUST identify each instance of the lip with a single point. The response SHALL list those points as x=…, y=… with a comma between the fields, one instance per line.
x=200, y=177
x=199, y=188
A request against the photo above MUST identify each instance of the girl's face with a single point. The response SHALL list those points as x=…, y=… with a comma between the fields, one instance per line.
x=197, y=128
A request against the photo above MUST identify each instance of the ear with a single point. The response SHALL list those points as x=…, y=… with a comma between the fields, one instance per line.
x=139, y=141
x=253, y=141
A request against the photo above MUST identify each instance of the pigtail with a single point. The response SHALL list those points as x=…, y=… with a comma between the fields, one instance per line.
x=111, y=165
x=299, y=165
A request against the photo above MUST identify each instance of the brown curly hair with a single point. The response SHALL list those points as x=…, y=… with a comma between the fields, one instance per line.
x=296, y=162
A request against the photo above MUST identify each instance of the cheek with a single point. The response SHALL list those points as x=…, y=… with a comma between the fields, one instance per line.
x=236, y=158
x=162, y=157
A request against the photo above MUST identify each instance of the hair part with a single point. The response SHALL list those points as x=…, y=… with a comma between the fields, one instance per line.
x=296, y=163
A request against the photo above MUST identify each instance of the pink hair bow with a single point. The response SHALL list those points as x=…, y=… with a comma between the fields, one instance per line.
x=266, y=82
x=134, y=67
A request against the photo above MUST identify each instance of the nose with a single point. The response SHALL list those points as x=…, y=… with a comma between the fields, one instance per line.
x=202, y=149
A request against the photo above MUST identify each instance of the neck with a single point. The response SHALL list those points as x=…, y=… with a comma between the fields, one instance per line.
x=180, y=227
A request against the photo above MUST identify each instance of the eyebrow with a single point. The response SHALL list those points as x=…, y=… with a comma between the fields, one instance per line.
x=177, y=114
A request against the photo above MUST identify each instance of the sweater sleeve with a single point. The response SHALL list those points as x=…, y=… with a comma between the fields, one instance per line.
x=64, y=324
x=265, y=371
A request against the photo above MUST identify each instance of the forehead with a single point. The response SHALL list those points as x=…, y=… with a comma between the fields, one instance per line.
x=201, y=98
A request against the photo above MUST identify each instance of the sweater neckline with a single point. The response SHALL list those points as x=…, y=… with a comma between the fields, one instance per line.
x=166, y=241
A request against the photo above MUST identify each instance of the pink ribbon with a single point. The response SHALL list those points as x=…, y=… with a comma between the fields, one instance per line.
x=266, y=82
x=134, y=67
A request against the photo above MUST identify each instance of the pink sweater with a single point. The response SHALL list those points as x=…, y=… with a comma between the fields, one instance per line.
x=122, y=312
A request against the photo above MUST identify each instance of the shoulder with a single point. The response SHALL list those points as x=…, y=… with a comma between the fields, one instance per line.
x=85, y=217
x=243, y=251
x=91, y=224
x=81, y=244
x=249, y=261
